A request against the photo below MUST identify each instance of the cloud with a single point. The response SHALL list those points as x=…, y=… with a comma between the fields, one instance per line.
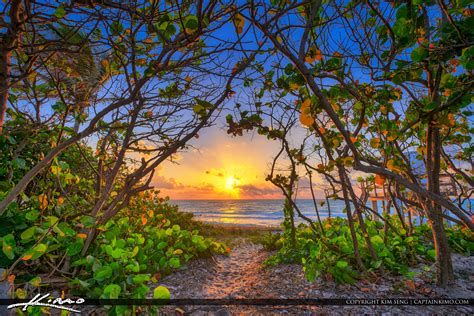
x=190, y=192
x=251, y=190
x=171, y=184
x=304, y=188
x=214, y=172
x=161, y=182
x=204, y=188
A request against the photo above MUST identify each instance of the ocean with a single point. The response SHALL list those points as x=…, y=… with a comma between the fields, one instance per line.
x=269, y=212
x=253, y=212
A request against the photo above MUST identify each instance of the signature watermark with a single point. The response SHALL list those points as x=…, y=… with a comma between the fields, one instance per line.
x=44, y=300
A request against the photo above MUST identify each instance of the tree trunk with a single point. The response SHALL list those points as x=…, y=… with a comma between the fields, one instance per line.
x=350, y=220
x=4, y=82
x=358, y=212
x=8, y=40
x=443, y=254
x=315, y=203
x=289, y=217
x=444, y=265
x=329, y=206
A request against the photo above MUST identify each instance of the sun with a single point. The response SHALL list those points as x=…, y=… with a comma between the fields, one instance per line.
x=231, y=183
x=232, y=186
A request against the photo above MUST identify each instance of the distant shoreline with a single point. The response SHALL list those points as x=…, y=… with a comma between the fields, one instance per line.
x=211, y=200
x=237, y=227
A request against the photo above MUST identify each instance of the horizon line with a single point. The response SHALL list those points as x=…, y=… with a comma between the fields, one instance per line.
x=246, y=199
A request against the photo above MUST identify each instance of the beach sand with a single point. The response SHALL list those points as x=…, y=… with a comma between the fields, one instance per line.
x=243, y=275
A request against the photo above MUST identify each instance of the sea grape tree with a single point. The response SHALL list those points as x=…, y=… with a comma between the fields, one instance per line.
x=386, y=90
x=139, y=79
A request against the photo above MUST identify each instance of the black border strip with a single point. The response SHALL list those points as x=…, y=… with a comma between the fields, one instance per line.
x=265, y=302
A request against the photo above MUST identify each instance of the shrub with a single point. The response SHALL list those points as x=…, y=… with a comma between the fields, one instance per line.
x=43, y=233
x=332, y=251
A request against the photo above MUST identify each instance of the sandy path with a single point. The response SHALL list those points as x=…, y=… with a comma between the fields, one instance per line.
x=242, y=275
x=235, y=274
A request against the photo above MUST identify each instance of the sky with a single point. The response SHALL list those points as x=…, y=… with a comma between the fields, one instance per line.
x=220, y=166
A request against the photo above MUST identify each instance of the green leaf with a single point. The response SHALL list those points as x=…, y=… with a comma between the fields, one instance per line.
x=36, y=281
x=59, y=107
x=402, y=12
x=204, y=103
x=191, y=23
x=8, y=245
x=134, y=266
x=32, y=215
x=347, y=278
x=122, y=310
x=161, y=293
x=341, y=264
x=111, y=291
x=35, y=252
x=448, y=81
x=140, y=278
x=400, y=27
x=141, y=291
x=377, y=240
x=19, y=163
x=466, y=59
x=431, y=254
x=174, y=263
x=40, y=248
x=116, y=28
x=134, y=252
x=66, y=229
x=170, y=30
x=28, y=233
x=51, y=220
x=103, y=273
x=419, y=53
x=430, y=107
x=117, y=253
x=81, y=283
x=377, y=264
x=161, y=245
x=75, y=248
x=88, y=221
x=199, y=109
x=201, y=106
x=60, y=12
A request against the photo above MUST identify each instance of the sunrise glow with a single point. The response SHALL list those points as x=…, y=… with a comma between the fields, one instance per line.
x=215, y=171
x=231, y=185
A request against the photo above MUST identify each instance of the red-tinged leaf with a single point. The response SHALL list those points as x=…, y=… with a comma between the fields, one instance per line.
x=410, y=284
